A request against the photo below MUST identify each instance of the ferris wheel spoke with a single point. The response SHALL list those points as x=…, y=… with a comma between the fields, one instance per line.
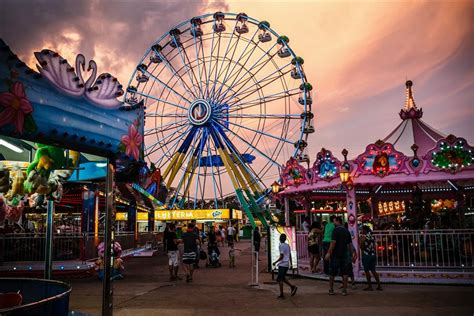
x=266, y=99
x=266, y=116
x=187, y=65
x=242, y=56
x=152, y=149
x=250, y=146
x=261, y=83
x=262, y=133
x=208, y=79
x=237, y=78
x=188, y=155
x=173, y=71
x=216, y=65
x=198, y=66
x=169, y=115
x=250, y=77
x=167, y=87
x=155, y=130
x=202, y=145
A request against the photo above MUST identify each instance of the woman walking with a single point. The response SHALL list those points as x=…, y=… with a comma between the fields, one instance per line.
x=314, y=238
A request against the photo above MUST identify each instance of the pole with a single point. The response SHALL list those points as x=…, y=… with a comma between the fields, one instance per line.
x=287, y=211
x=352, y=221
x=48, y=251
x=107, y=294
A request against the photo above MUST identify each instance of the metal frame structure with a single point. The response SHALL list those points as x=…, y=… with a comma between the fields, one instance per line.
x=220, y=109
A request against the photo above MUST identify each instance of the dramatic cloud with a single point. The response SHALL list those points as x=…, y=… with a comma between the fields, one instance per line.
x=114, y=33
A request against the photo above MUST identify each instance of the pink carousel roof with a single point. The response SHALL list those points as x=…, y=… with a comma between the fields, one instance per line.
x=413, y=152
x=412, y=129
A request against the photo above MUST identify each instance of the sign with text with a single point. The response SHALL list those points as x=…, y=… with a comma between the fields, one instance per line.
x=211, y=214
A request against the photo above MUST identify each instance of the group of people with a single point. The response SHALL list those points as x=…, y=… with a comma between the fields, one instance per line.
x=193, y=241
x=333, y=244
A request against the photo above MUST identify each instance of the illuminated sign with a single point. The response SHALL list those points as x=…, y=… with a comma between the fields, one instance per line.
x=211, y=214
x=142, y=216
x=236, y=214
x=121, y=216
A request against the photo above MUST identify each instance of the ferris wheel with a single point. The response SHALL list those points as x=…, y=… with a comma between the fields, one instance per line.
x=226, y=103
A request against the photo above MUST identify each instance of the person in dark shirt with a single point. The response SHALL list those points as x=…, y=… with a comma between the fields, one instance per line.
x=196, y=231
x=338, y=255
x=171, y=243
x=191, y=242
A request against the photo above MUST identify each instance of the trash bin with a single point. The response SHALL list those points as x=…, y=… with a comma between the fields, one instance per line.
x=40, y=297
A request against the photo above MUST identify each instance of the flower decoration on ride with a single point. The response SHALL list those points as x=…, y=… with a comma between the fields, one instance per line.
x=293, y=173
x=326, y=165
x=452, y=154
x=15, y=108
x=131, y=143
x=380, y=159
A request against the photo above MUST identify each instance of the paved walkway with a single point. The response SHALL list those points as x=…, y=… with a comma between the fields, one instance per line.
x=146, y=290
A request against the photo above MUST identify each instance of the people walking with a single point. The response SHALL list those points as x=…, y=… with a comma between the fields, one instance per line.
x=314, y=238
x=338, y=257
x=196, y=231
x=327, y=237
x=284, y=263
x=367, y=245
x=171, y=243
x=191, y=242
x=230, y=234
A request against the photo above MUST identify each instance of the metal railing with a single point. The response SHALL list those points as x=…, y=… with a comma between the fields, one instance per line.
x=66, y=247
x=425, y=248
x=416, y=249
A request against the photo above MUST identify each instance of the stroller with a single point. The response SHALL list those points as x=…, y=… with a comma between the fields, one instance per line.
x=213, y=255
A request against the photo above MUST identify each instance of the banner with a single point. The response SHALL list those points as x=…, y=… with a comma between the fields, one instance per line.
x=290, y=232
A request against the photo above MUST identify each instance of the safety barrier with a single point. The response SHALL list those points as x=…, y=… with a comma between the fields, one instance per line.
x=30, y=247
x=416, y=249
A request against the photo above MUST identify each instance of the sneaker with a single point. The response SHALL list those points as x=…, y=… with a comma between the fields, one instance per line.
x=331, y=292
x=280, y=297
x=344, y=292
x=293, y=290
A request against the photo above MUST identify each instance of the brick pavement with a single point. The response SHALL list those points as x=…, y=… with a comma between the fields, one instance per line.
x=146, y=290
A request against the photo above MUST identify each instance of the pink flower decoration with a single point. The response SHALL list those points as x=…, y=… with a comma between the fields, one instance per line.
x=132, y=142
x=16, y=106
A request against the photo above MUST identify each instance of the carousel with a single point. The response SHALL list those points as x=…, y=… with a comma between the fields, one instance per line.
x=414, y=187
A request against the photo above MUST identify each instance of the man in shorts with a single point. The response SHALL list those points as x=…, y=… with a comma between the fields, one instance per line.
x=284, y=262
x=369, y=259
x=171, y=243
x=338, y=255
x=191, y=242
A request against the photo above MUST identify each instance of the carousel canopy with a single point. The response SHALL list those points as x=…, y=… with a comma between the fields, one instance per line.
x=413, y=153
x=412, y=129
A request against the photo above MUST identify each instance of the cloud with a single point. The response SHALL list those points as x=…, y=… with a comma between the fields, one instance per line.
x=114, y=33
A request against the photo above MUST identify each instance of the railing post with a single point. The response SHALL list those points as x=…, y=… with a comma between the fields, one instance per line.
x=48, y=251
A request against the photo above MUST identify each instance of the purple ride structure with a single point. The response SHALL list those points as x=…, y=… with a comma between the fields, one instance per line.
x=418, y=186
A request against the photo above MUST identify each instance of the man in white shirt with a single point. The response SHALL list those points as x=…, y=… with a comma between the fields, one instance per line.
x=284, y=262
x=230, y=234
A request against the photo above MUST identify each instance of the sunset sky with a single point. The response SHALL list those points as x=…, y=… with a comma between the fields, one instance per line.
x=357, y=54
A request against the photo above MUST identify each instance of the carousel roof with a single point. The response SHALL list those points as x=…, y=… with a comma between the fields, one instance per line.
x=412, y=129
x=412, y=153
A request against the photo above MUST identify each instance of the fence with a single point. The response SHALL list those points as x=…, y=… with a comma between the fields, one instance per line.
x=416, y=249
x=30, y=247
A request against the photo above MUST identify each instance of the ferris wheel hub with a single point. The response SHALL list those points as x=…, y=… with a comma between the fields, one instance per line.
x=199, y=112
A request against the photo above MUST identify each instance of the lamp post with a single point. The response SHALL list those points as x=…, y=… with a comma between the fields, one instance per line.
x=347, y=183
x=275, y=187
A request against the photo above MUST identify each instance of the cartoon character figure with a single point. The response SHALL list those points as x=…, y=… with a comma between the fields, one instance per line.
x=381, y=164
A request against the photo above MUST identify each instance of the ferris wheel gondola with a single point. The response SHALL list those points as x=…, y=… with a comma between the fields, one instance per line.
x=227, y=101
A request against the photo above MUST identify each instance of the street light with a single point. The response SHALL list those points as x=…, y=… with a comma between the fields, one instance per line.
x=345, y=172
x=275, y=187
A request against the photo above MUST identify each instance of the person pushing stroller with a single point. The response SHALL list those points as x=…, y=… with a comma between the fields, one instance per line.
x=213, y=252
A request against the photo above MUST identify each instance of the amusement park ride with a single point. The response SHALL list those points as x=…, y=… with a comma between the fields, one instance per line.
x=214, y=106
x=225, y=98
